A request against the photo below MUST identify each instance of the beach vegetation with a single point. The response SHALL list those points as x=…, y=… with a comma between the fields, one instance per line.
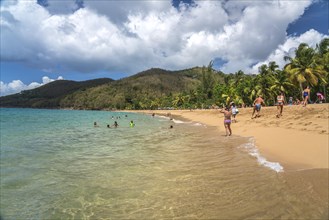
x=306, y=68
x=198, y=87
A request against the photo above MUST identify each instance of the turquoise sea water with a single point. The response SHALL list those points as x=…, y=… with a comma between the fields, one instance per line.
x=56, y=165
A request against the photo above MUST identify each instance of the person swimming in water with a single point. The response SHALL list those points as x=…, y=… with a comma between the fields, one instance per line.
x=227, y=120
x=132, y=124
x=115, y=124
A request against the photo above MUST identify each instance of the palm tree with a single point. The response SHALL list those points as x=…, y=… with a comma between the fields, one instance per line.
x=230, y=94
x=304, y=68
x=323, y=47
x=180, y=100
x=281, y=83
x=322, y=54
x=273, y=67
x=264, y=80
x=238, y=77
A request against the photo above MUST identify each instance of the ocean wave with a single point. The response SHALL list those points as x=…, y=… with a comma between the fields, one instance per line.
x=199, y=124
x=253, y=151
x=162, y=116
x=177, y=121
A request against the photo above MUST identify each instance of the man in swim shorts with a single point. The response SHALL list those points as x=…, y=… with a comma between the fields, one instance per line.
x=227, y=120
x=257, y=106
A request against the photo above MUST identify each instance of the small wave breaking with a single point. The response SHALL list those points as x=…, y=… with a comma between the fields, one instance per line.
x=177, y=121
x=253, y=151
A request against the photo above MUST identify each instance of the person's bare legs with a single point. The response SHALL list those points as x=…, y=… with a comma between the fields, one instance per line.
x=228, y=129
x=252, y=116
x=280, y=108
x=257, y=114
x=305, y=101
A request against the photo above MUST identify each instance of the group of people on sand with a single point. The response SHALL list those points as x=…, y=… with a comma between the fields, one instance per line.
x=231, y=111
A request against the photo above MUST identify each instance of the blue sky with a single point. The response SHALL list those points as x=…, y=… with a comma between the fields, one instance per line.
x=47, y=40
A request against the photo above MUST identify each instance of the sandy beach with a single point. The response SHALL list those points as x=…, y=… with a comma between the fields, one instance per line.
x=298, y=140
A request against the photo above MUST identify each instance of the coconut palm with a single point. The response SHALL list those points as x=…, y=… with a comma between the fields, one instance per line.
x=281, y=83
x=303, y=68
x=264, y=80
x=323, y=47
x=322, y=56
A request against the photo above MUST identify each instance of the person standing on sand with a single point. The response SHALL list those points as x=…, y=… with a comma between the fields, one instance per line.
x=281, y=102
x=306, y=95
x=257, y=106
x=234, y=110
x=227, y=120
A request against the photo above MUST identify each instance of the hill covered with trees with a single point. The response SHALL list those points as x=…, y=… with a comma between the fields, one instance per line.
x=198, y=87
x=49, y=95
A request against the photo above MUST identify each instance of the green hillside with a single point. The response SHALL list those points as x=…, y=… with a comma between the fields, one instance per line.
x=152, y=88
x=49, y=95
x=149, y=89
x=199, y=87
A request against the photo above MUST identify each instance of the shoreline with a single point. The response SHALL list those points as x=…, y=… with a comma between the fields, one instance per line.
x=299, y=140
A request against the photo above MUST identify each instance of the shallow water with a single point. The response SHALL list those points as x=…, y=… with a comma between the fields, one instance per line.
x=56, y=165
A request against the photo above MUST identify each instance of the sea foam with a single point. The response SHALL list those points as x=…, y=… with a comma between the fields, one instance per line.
x=177, y=121
x=253, y=151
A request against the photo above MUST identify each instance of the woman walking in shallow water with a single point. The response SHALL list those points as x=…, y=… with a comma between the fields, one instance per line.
x=227, y=120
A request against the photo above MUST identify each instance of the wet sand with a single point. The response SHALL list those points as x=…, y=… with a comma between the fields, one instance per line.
x=298, y=140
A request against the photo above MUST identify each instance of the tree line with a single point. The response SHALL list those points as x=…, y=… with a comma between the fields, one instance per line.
x=198, y=87
x=309, y=67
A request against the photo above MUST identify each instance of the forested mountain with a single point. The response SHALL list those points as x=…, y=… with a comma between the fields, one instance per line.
x=198, y=87
x=49, y=95
x=143, y=90
x=149, y=89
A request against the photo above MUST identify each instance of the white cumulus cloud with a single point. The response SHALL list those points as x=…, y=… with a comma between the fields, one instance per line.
x=287, y=48
x=131, y=36
x=17, y=86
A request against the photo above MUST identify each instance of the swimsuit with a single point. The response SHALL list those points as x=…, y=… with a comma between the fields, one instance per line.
x=227, y=121
x=280, y=100
x=305, y=94
x=258, y=106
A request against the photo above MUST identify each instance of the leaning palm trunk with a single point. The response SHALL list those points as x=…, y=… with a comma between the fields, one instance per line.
x=301, y=89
